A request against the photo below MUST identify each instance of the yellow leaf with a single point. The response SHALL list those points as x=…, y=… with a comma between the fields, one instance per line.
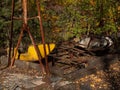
x=92, y=2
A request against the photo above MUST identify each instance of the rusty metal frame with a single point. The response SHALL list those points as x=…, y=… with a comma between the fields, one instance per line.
x=45, y=70
x=11, y=32
x=42, y=34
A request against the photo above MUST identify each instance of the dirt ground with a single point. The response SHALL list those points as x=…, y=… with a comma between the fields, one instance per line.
x=30, y=79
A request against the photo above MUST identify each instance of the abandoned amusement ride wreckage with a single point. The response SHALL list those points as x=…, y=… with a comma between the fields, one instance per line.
x=82, y=46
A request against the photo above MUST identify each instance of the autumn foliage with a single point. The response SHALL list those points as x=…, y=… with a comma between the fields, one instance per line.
x=63, y=19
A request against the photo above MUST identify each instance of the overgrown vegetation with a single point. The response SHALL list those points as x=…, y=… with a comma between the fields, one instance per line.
x=63, y=19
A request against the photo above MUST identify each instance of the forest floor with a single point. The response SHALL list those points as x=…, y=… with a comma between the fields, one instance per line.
x=30, y=79
x=86, y=72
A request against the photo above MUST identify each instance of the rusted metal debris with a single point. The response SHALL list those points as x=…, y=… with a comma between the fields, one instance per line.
x=67, y=57
x=70, y=49
x=84, y=47
x=95, y=43
x=72, y=59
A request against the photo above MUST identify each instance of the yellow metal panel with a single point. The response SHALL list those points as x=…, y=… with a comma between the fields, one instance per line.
x=31, y=55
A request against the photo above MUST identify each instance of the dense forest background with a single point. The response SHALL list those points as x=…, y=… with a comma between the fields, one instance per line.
x=62, y=19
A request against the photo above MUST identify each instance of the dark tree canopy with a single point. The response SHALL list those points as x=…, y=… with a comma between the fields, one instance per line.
x=62, y=19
